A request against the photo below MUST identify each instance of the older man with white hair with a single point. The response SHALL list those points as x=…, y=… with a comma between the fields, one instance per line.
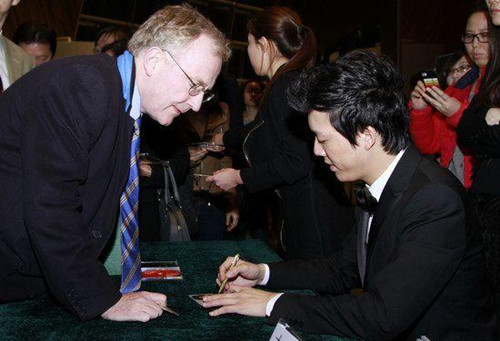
x=66, y=153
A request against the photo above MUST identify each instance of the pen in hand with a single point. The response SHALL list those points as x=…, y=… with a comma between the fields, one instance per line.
x=233, y=264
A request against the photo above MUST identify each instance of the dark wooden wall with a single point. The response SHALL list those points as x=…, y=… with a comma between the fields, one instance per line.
x=431, y=26
x=62, y=15
x=420, y=21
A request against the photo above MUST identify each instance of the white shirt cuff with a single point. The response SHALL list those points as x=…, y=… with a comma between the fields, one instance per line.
x=266, y=275
x=270, y=304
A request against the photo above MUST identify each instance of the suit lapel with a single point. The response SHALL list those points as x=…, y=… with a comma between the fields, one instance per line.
x=14, y=59
x=398, y=182
x=361, y=248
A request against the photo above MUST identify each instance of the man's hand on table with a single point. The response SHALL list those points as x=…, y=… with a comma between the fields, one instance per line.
x=241, y=300
x=239, y=297
x=137, y=306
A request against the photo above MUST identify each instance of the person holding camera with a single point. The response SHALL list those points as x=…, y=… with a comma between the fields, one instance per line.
x=435, y=113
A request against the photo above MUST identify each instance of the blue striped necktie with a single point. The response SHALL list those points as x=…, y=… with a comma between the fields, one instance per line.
x=129, y=227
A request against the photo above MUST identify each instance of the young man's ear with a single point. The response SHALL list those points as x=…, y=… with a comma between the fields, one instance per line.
x=152, y=59
x=367, y=138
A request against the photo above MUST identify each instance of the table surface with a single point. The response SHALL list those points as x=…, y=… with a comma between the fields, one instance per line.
x=199, y=261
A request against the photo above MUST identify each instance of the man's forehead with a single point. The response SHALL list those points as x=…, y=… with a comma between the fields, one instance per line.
x=319, y=121
x=315, y=115
x=202, y=44
x=201, y=60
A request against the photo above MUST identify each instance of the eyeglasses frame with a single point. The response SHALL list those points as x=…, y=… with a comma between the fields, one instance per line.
x=195, y=89
x=476, y=36
x=461, y=68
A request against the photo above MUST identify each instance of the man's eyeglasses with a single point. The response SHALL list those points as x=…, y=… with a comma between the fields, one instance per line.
x=482, y=37
x=195, y=89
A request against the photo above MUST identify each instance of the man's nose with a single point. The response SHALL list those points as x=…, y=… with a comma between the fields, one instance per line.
x=195, y=102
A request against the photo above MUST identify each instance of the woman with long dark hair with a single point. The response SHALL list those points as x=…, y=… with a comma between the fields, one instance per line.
x=479, y=130
x=278, y=144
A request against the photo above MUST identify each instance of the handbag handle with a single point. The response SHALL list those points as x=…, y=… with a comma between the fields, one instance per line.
x=170, y=184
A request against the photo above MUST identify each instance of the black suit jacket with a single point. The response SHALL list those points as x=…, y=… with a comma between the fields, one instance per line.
x=64, y=155
x=424, y=271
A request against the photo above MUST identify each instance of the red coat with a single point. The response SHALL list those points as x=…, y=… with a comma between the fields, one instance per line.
x=435, y=133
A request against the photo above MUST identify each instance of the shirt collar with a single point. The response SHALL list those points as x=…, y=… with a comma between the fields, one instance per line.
x=378, y=185
x=135, y=110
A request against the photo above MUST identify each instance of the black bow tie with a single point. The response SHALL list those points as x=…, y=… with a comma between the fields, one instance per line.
x=365, y=200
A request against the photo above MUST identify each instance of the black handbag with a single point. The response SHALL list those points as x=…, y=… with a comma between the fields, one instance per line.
x=173, y=227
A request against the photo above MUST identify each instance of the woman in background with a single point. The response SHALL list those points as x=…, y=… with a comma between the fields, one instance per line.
x=479, y=131
x=252, y=94
x=278, y=144
x=435, y=113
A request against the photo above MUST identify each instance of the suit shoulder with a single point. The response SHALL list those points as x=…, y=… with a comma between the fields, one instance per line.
x=79, y=74
x=438, y=175
x=416, y=175
x=99, y=66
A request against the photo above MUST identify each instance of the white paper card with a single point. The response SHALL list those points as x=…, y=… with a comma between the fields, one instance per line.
x=283, y=332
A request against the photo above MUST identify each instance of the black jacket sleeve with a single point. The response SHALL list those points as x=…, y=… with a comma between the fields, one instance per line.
x=475, y=134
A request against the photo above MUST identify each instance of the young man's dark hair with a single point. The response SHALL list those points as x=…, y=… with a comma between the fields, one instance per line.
x=358, y=90
x=29, y=33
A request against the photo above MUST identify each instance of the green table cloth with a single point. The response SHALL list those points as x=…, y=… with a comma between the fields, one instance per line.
x=41, y=319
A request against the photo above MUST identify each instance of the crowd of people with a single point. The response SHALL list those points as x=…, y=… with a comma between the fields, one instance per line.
x=84, y=166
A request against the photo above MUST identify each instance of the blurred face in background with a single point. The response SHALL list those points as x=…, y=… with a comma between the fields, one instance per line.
x=476, y=39
x=40, y=52
x=494, y=6
x=252, y=94
x=460, y=68
x=104, y=40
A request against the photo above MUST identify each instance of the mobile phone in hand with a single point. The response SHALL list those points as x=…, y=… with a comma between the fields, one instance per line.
x=429, y=78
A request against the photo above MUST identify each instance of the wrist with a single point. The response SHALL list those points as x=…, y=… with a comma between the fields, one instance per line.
x=239, y=180
x=262, y=278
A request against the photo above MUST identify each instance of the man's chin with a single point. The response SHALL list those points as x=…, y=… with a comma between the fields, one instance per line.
x=163, y=118
x=166, y=121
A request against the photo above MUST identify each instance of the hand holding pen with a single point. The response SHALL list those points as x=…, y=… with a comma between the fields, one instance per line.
x=241, y=273
x=233, y=264
x=239, y=298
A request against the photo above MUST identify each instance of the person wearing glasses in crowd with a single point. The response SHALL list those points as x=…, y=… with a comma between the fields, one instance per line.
x=435, y=113
x=479, y=131
x=66, y=155
x=315, y=211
